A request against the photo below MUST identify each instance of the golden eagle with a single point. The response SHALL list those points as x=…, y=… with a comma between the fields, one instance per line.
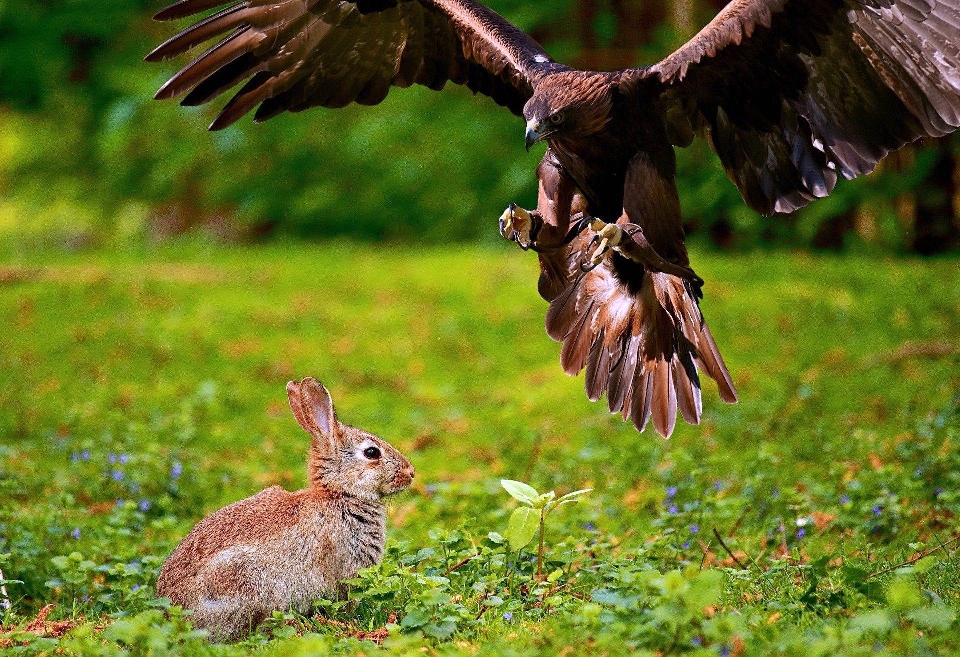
x=790, y=93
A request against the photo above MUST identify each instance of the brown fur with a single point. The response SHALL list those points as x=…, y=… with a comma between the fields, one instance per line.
x=281, y=550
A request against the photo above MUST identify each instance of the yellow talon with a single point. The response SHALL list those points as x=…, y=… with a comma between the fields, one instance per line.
x=600, y=253
x=610, y=237
x=515, y=224
x=506, y=222
x=611, y=233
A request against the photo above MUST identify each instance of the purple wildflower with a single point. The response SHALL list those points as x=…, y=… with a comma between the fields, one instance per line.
x=507, y=615
x=590, y=527
x=877, y=510
x=75, y=457
x=176, y=470
x=844, y=499
x=724, y=651
x=111, y=457
x=697, y=642
x=685, y=546
x=75, y=534
x=694, y=528
x=671, y=492
x=672, y=510
x=85, y=455
x=801, y=532
x=135, y=587
x=124, y=458
x=144, y=505
x=718, y=485
x=938, y=492
x=431, y=489
x=117, y=475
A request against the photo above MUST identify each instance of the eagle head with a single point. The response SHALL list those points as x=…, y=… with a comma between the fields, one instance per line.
x=569, y=105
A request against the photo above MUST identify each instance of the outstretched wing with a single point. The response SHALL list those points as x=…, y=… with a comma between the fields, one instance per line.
x=295, y=54
x=793, y=92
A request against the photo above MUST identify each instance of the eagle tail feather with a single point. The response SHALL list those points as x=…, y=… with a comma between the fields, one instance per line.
x=712, y=363
x=641, y=338
x=687, y=384
x=576, y=345
x=641, y=401
x=664, y=399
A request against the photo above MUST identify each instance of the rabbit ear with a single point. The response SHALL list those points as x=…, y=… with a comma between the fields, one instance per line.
x=296, y=405
x=312, y=406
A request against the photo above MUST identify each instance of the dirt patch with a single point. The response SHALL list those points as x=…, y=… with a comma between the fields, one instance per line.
x=40, y=626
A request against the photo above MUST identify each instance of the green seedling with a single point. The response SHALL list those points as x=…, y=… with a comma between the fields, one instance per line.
x=526, y=520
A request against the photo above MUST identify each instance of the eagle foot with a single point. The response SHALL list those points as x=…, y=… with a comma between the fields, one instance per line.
x=519, y=225
x=633, y=245
x=608, y=238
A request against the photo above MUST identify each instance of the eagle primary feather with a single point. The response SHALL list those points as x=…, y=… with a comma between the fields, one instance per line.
x=791, y=94
x=331, y=52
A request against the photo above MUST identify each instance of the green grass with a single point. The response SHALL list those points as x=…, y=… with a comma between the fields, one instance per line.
x=119, y=369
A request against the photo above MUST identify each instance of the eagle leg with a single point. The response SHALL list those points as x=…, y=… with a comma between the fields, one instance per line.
x=607, y=238
x=520, y=226
x=633, y=244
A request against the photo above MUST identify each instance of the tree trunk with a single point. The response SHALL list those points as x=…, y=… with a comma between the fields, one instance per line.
x=935, y=225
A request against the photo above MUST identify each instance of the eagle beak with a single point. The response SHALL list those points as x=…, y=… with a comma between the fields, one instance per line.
x=532, y=136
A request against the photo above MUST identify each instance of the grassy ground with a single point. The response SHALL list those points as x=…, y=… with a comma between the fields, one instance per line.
x=140, y=391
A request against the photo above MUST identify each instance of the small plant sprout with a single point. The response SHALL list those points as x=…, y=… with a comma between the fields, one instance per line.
x=527, y=519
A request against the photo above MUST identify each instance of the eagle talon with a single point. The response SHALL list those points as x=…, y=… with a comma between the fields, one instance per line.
x=590, y=265
x=516, y=224
x=608, y=238
x=587, y=267
x=626, y=242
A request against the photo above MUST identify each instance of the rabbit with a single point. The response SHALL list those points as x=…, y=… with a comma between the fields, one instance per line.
x=280, y=550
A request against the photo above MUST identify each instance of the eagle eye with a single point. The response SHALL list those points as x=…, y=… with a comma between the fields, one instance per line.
x=371, y=453
x=557, y=118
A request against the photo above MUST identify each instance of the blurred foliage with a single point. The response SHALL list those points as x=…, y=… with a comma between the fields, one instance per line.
x=85, y=154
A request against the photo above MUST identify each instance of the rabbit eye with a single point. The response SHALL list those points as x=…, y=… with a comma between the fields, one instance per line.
x=371, y=453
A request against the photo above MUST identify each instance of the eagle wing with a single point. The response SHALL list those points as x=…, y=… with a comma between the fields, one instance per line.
x=794, y=92
x=296, y=54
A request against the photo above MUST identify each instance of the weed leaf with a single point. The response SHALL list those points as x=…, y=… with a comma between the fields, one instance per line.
x=573, y=496
x=522, y=526
x=521, y=491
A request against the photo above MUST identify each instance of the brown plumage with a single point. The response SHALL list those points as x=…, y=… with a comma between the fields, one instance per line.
x=790, y=93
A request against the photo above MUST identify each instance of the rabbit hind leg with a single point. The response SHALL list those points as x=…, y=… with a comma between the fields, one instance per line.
x=233, y=598
x=228, y=617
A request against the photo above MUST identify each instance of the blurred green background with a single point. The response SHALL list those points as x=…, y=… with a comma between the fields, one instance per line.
x=87, y=158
